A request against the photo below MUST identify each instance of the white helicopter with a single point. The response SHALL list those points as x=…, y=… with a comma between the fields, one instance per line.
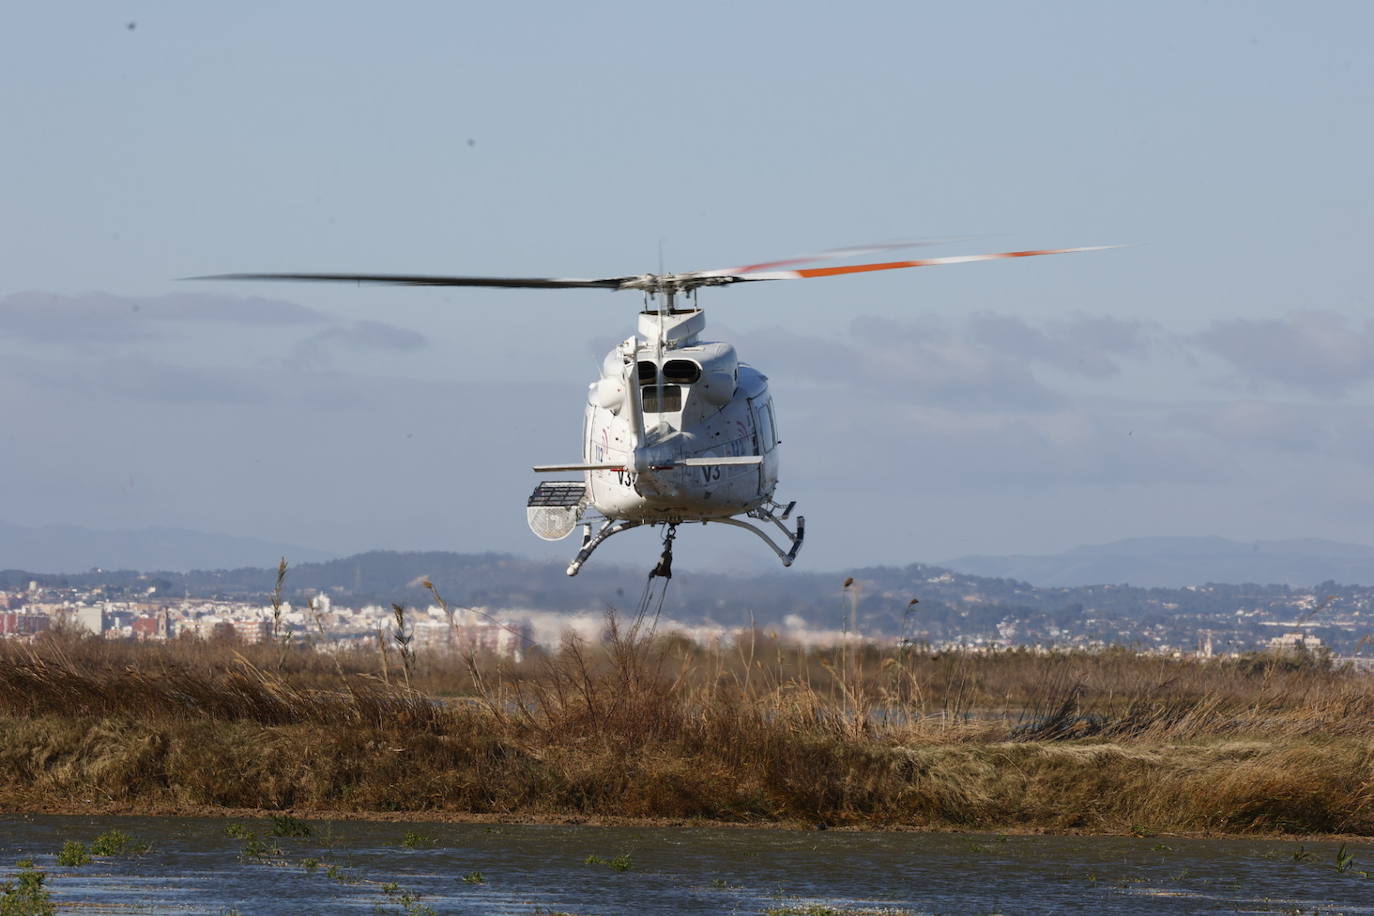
x=677, y=428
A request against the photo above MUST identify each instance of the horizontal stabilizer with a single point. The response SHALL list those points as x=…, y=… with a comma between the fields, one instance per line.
x=679, y=463
x=710, y=462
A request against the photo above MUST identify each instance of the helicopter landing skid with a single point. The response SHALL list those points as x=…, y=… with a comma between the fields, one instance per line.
x=592, y=541
x=794, y=537
x=612, y=526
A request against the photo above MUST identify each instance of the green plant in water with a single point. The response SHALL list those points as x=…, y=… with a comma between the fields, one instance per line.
x=1344, y=858
x=328, y=837
x=1162, y=847
x=26, y=895
x=288, y=826
x=117, y=843
x=254, y=848
x=73, y=854
x=619, y=863
x=413, y=840
x=1302, y=855
x=474, y=877
x=238, y=832
x=408, y=902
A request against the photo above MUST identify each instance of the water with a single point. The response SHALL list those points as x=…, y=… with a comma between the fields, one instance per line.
x=193, y=867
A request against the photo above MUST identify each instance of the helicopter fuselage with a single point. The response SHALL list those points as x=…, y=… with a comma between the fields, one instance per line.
x=697, y=401
x=677, y=430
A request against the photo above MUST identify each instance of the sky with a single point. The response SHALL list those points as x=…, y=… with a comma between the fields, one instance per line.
x=1213, y=378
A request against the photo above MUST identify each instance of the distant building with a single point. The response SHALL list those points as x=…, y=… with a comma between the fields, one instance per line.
x=90, y=619
x=251, y=631
x=152, y=626
x=15, y=623
x=507, y=639
x=498, y=638
x=1295, y=642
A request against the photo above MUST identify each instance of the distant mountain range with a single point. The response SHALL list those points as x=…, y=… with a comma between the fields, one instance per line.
x=1152, y=562
x=1174, y=562
x=69, y=549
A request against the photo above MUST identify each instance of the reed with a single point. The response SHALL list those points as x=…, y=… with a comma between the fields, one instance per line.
x=639, y=727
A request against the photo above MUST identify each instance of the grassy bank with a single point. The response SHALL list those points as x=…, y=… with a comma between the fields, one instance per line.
x=759, y=732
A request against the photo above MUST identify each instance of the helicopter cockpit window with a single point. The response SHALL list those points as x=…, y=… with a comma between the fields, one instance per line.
x=681, y=372
x=648, y=372
x=768, y=436
x=672, y=399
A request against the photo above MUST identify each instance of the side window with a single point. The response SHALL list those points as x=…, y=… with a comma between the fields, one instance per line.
x=767, y=435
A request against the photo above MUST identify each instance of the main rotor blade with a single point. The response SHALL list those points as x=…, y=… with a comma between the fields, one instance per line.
x=852, y=251
x=810, y=272
x=426, y=280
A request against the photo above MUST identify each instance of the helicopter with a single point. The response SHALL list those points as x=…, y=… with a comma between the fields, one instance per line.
x=677, y=428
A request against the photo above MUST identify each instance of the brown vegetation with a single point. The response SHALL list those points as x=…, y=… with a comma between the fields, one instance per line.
x=761, y=731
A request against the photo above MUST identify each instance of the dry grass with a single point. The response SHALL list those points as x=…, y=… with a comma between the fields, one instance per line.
x=759, y=731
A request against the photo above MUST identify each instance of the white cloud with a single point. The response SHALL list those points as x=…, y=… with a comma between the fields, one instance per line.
x=1315, y=351
x=104, y=318
x=1085, y=345
x=318, y=350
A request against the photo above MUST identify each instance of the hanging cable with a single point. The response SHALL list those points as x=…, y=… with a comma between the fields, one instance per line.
x=663, y=570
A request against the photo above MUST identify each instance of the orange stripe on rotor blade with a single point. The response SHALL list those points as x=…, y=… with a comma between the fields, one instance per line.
x=859, y=268
x=928, y=262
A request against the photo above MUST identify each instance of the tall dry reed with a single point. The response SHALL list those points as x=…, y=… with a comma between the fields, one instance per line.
x=759, y=729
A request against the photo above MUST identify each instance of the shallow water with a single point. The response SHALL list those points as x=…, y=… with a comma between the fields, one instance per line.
x=194, y=867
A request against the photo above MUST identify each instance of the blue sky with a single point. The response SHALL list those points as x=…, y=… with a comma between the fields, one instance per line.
x=1212, y=379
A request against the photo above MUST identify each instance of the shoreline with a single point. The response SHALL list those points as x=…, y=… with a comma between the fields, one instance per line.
x=9, y=808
